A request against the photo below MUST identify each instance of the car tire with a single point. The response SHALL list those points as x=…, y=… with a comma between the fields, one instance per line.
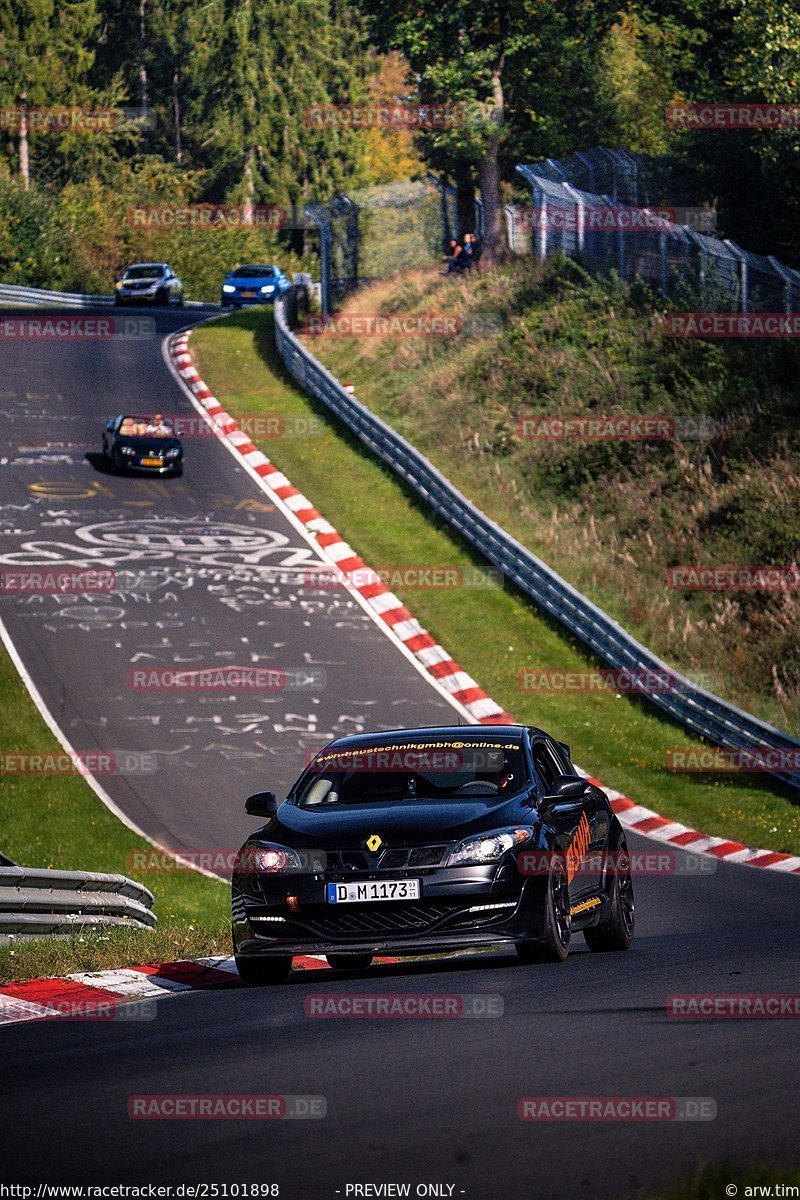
x=616, y=932
x=263, y=971
x=557, y=932
x=349, y=962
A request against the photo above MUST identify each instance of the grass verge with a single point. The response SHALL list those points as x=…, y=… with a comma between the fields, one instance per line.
x=491, y=631
x=60, y=822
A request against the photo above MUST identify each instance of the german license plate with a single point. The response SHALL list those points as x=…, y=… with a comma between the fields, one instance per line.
x=373, y=890
x=249, y=295
x=152, y=462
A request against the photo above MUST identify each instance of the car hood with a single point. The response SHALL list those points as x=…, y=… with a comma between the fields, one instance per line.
x=143, y=282
x=403, y=823
x=261, y=281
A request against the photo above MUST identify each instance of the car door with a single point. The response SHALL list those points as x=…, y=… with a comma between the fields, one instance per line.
x=596, y=809
x=576, y=821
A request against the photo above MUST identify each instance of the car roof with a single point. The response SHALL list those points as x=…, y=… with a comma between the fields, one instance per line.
x=253, y=267
x=434, y=733
x=146, y=264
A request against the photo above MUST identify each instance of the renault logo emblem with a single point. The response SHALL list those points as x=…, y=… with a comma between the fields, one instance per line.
x=374, y=843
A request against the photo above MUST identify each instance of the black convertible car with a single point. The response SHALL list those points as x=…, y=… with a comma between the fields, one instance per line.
x=148, y=444
x=423, y=840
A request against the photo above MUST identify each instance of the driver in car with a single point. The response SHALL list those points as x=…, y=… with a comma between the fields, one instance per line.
x=157, y=425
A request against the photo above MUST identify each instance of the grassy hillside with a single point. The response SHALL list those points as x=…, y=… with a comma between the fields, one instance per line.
x=491, y=631
x=611, y=516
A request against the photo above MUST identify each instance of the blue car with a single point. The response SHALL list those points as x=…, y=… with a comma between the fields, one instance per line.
x=253, y=284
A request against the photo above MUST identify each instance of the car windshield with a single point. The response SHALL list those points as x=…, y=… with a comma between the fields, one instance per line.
x=254, y=273
x=146, y=271
x=146, y=427
x=413, y=771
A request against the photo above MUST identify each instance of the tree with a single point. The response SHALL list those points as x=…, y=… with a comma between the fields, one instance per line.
x=45, y=56
x=257, y=69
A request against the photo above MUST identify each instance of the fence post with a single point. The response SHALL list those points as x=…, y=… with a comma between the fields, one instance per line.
x=316, y=213
x=788, y=281
x=744, y=283
x=511, y=227
x=701, y=258
x=581, y=215
x=541, y=232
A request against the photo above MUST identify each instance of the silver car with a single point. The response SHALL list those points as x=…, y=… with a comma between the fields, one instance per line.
x=148, y=283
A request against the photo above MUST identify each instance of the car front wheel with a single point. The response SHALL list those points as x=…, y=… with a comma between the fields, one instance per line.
x=557, y=931
x=264, y=972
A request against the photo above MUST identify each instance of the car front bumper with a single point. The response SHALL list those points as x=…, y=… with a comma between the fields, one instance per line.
x=456, y=910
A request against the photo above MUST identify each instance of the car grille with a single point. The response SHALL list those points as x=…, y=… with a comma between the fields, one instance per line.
x=393, y=859
x=383, y=919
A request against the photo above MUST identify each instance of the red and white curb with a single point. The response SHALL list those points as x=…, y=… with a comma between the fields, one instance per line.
x=387, y=607
x=94, y=995
x=433, y=657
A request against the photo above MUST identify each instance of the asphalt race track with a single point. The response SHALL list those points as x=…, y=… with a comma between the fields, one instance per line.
x=207, y=574
x=418, y=1101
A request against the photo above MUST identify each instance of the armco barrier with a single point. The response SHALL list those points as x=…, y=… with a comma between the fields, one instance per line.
x=685, y=702
x=27, y=297
x=36, y=901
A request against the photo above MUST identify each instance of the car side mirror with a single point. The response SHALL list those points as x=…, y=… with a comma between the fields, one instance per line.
x=566, y=789
x=261, y=804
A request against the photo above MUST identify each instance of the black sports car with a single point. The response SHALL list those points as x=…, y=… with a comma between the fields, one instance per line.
x=423, y=840
x=147, y=444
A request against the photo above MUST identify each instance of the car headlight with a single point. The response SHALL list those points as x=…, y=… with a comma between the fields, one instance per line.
x=174, y=452
x=129, y=450
x=488, y=847
x=269, y=288
x=228, y=287
x=271, y=859
x=118, y=284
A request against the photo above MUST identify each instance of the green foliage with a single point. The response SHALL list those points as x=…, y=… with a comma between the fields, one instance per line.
x=611, y=516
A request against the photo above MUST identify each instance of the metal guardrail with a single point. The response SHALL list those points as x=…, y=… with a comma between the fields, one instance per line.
x=684, y=701
x=37, y=901
x=28, y=297
x=12, y=294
